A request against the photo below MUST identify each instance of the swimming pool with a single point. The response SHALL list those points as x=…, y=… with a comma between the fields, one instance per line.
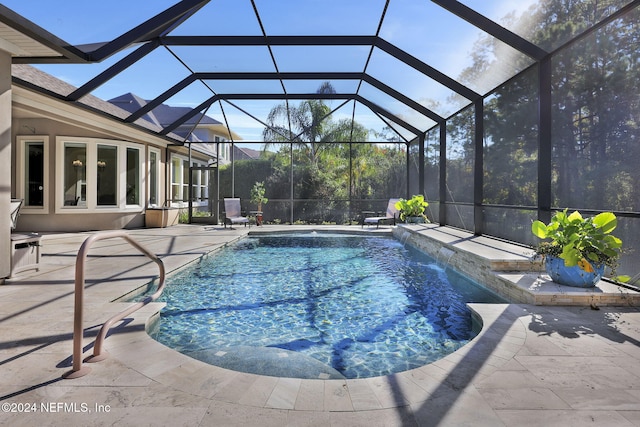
x=318, y=306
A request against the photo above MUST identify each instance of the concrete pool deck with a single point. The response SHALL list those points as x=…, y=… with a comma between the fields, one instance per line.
x=530, y=365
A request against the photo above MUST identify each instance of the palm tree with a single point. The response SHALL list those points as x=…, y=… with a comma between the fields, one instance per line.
x=320, y=165
x=309, y=126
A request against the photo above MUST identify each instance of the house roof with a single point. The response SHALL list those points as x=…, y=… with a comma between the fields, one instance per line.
x=245, y=153
x=164, y=115
x=119, y=107
x=30, y=76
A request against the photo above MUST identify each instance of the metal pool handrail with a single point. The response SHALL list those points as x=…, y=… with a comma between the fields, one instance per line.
x=78, y=370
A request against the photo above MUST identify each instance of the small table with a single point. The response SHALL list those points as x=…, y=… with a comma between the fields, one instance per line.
x=25, y=251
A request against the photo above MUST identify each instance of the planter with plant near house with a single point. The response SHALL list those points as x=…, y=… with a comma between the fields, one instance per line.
x=412, y=210
x=257, y=197
x=578, y=249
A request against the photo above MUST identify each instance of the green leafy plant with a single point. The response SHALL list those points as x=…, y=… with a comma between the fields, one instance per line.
x=257, y=195
x=414, y=207
x=183, y=216
x=580, y=241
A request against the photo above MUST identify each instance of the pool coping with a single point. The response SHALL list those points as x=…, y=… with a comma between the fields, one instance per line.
x=474, y=361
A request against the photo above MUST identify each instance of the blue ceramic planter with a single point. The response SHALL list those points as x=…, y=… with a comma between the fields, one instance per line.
x=414, y=220
x=572, y=276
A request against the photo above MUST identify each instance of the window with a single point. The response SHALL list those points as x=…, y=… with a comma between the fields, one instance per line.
x=34, y=174
x=200, y=181
x=98, y=174
x=203, y=191
x=176, y=179
x=196, y=181
x=154, y=171
x=133, y=176
x=223, y=148
x=180, y=181
x=107, y=182
x=32, y=168
x=185, y=180
x=75, y=172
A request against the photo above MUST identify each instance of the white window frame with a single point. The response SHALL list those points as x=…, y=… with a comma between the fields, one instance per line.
x=179, y=175
x=142, y=196
x=200, y=185
x=21, y=183
x=197, y=185
x=118, y=175
x=158, y=188
x=92, y=173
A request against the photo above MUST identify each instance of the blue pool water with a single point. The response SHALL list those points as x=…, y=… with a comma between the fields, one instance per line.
x=318, y=306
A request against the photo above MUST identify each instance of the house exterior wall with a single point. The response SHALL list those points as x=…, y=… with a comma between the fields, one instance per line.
x=5, y=162
x=80, y=204
x=52, y=126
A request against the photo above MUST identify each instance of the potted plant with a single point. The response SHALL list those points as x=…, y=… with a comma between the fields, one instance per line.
x=578, y=248
x=257, y=197
x=412, y=210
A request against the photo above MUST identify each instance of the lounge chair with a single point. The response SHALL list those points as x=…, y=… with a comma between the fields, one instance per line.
x=391, y=215
x=232, y=214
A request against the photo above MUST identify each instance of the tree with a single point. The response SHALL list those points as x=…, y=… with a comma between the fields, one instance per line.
x=595, y=125
x=320, y=150
x=309, y=126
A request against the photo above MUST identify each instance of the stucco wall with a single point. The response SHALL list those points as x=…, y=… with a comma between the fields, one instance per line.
x=80, y=221
x=5, y=163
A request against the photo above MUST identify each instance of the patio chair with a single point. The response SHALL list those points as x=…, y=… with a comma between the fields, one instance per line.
x=15, y=206
x=391, y=215
x=25, y=247
x=232, y=213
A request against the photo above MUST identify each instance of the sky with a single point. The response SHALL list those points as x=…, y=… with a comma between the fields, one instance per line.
x=421, y=28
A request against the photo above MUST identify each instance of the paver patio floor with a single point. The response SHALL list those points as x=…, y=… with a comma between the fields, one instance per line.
x=529, y=366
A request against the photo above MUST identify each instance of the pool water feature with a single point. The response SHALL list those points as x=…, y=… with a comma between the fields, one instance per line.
x=318, y=306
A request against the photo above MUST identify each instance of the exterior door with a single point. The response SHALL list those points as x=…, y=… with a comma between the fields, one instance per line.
x=203, y=203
